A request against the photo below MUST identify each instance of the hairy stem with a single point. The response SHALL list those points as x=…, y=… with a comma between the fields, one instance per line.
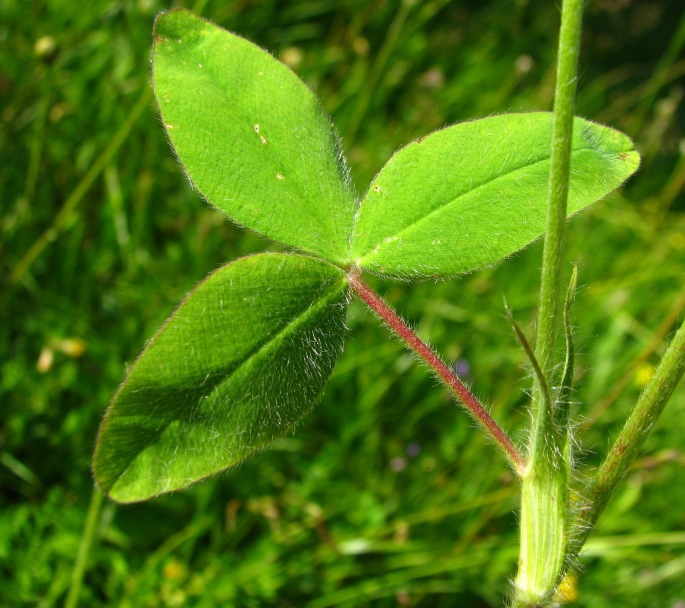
x=627, y=445
x=456, y=386
x=545, y=483
x=551, y=279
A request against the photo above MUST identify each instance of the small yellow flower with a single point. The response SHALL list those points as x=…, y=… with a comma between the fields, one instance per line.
x=567, y=590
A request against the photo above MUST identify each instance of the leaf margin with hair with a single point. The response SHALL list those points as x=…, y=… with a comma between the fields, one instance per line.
x=247, y=130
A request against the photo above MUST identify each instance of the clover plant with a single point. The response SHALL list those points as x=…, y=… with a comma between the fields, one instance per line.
x=248, y=352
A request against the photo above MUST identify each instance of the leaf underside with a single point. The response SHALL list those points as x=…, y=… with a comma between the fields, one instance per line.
x=471, y=194
x=252, y=136
x=242, y=359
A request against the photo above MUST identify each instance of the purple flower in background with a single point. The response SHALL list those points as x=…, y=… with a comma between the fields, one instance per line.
x=413, y=449
x=462, y=368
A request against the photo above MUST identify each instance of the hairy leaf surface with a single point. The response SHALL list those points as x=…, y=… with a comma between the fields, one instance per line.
x=252, y=136
x=471, y=194
x=239, y=362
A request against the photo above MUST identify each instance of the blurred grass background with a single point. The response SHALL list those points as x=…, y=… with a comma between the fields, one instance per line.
x=386, y=495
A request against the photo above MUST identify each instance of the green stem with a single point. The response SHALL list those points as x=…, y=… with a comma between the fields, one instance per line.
x=544, y=489
x=552, y=256
x=84, y=548
x=627, y=445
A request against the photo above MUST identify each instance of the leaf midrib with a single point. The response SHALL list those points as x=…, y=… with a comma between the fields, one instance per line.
x=377, y=247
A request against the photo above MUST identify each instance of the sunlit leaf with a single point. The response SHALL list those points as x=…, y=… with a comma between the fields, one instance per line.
x=251, y=135
x=471, y=194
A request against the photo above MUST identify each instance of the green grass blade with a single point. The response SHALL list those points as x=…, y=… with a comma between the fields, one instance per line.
x=83, y=555
x=471, y=194
x=251, y=135
x=239, y=363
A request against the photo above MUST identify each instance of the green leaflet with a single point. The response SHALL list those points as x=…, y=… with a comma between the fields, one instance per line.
x=471, y=194
x=240, y=362
x=252, y=137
